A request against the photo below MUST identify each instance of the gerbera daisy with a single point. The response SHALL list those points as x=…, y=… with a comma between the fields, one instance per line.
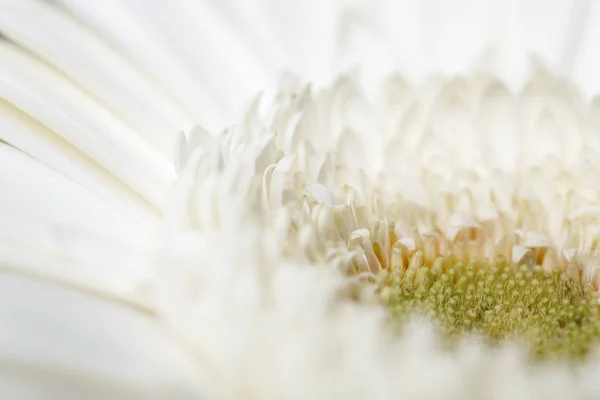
x=409, y=213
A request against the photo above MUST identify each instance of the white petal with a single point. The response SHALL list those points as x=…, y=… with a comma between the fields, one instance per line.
x=87, y=60
x=140, y=31
x=322, y=194
x=62, y=107
x=45, y=194
x=75, y=344
x=69, y=255
x=25, y=133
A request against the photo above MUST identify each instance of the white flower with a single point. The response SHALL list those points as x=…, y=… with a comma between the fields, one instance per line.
x=291, y=165
x=128, y=272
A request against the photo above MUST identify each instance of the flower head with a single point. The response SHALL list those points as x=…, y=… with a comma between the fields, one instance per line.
x=369, y=226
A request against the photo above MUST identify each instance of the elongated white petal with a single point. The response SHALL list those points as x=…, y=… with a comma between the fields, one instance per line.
x=86, y=59
x=131, y=31
x=76, y=345
x=62, y=107
x=188, y=25
x=26, y=134
x=77, y=257
x=43, y=193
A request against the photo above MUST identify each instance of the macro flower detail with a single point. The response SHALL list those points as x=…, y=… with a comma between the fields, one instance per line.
x=407, y=206
x=364, y=193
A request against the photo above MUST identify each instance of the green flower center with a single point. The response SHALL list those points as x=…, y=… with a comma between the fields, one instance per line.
x=551, y=314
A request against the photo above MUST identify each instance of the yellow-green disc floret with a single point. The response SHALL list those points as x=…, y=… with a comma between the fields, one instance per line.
x=550, y=313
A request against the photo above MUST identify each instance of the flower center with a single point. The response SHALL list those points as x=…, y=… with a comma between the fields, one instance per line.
x=495, y=278
x=550, y=313
x=456, y=199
